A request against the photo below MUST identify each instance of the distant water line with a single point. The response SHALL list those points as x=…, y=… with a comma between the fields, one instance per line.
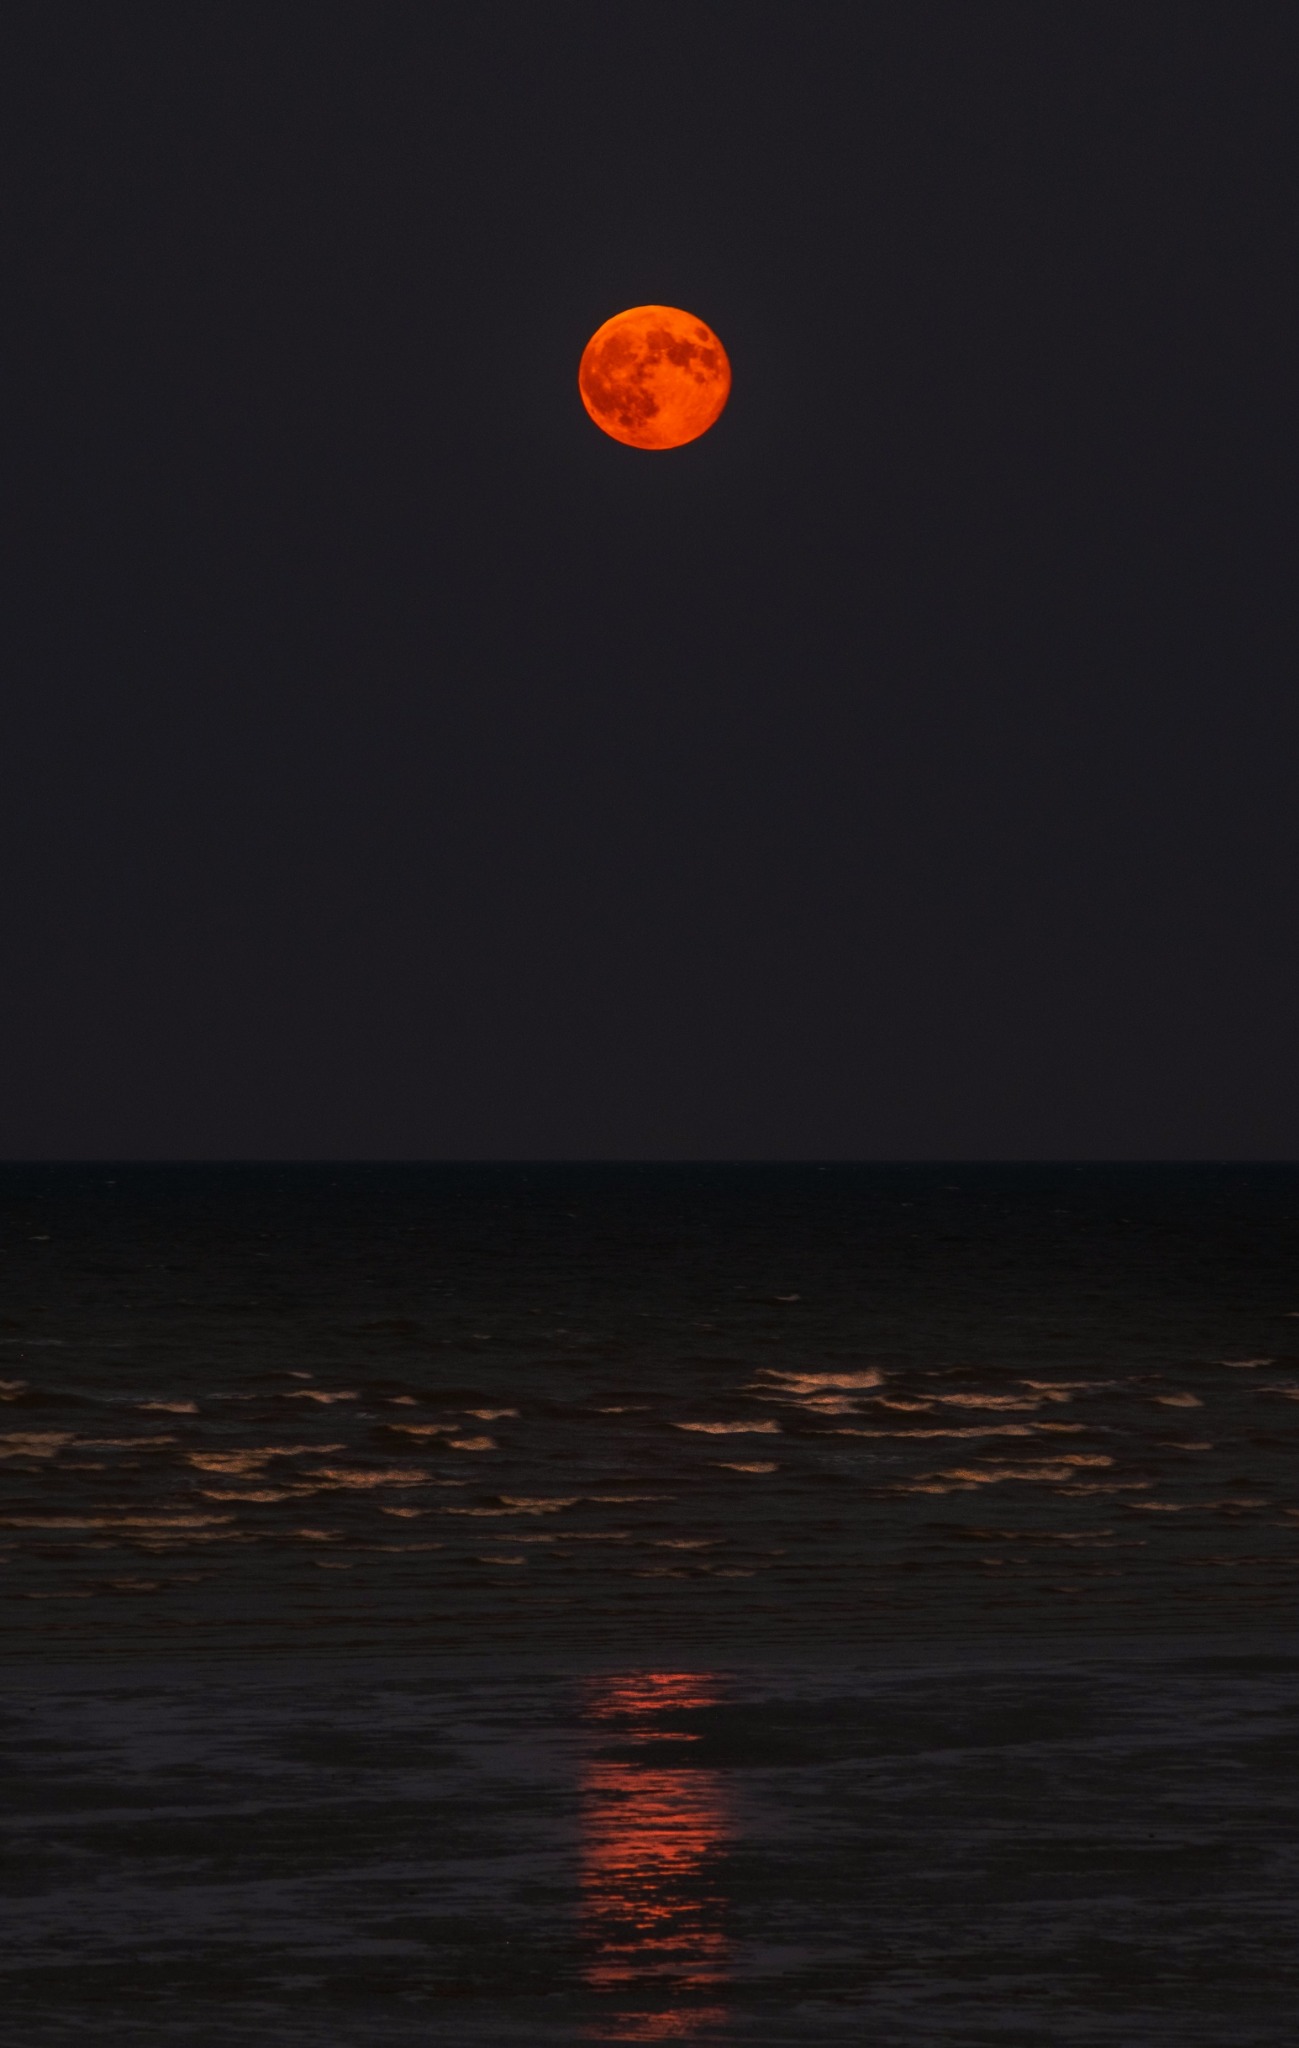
x=616, y=1407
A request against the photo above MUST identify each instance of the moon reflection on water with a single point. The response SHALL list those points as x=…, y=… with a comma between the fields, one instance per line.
x=653, y=1835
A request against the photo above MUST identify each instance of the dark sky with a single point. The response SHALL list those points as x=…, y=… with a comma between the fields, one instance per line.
x=392, y=765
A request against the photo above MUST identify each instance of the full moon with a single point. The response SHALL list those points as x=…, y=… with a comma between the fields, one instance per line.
x=654, y=377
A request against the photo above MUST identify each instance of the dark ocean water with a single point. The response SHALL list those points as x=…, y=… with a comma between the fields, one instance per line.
x=651, y=1603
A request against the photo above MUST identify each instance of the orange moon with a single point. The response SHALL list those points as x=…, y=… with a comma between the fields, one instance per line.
x=654, y=377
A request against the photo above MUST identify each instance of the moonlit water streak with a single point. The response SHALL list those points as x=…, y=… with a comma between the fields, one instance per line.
x=653, y=1832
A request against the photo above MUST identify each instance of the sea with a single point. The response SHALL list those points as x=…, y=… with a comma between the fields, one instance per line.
x=587, y=1603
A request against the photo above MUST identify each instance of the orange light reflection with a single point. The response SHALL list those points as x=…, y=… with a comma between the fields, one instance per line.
x=652, y=1910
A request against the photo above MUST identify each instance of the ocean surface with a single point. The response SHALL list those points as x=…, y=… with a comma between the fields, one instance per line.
x=610, y=1603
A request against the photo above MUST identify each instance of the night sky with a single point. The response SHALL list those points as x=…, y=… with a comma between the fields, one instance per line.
x=394, y=766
